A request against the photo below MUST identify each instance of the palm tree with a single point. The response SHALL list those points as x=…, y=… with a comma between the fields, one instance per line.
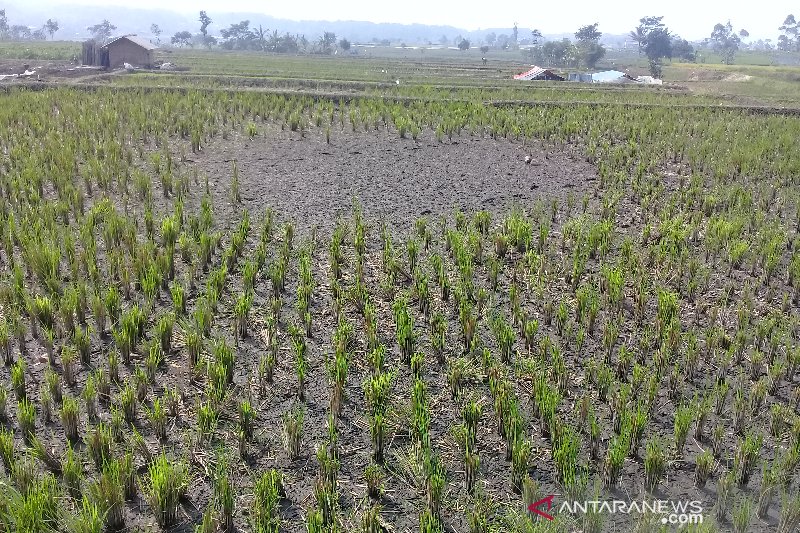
x=639, y=36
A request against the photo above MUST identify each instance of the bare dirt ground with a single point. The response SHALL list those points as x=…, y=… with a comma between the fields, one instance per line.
x=396, y=179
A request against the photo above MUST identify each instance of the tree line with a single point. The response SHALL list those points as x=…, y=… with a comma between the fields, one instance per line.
x=243, y=36
x=19, y=32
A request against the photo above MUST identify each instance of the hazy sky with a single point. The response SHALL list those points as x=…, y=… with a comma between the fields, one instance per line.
x=692, y=19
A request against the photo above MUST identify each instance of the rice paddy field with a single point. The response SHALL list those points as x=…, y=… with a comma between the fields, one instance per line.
x=247, y=298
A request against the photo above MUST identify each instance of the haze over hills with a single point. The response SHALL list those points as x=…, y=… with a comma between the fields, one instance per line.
x=74, y=20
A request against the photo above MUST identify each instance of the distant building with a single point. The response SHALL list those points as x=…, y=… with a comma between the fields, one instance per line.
x=538, y=73
x=130, y=49
x=612, y=76
x=607, y=76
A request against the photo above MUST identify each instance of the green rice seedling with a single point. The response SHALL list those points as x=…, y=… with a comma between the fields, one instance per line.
x=141, y=376
x=371, y=520
x=378, y=435
x=69, y=418
x=107, y=493
x=438, y=335
x=293, y=431
x=417, y=365
x=701, y=409
x=531, y=330
x=88, y=519
x=520, y=461
x=5, y=343
x=247, y=417
x=779, y=414
x=241, y=311
x=742, y=515
x=267, y=493
x=404, y=328
x=89, y=395
x=128, y=402
x=747, y=453
x=429, y=522
x=158, y=419
x=435, y=483
x=72, y=471
x=82, y=342
x=615, y=457
x=127, y=472
x=717, y=435
x=101, y=380
x=471, y=467
x=37, y=508
x=99, y=313
x=683, y=420
x=46, y=404
x=374, y=476
x=724, y=486
x=26, y=418
x=301, y=365
x=566, y=446
x=225, y=357
x=24, y=473
x=207, y=417
x=327, y=500
x=18, y=379
x=654, y=464
x=123, y=342
x=720, y=396
x=48, y=339
x=7, y=448
x=163, y=486
x=769, y=481
x=155, y=356
x=98, y=442
x=704, y=466
x=68, y=359
x=790, y=513
x=163, y=331
x=224, y=497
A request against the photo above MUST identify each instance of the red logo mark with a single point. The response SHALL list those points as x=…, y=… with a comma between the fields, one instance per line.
x=534, y=507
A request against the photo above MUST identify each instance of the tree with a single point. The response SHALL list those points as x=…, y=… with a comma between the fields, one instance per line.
x=556, y=53
x=39, y=34
x=744, y=34
x=182, y=38
x=589, y=47
x=238, y=36
x=326, y=42
x=51, y=26
x=790, y=38
x=3, y=24
x=491, y=38
x=102, y=32
x=260, y=38
x=443, y=39
x=205, y=22
x=344, y=44
x=725, y=42
x=682, y=49
x=536, y=36
x=156, y=31
x=463, y=45
x=647, y=25
x=659, y=46
x=18, y=32
x=484, y=48
x=638, y=35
